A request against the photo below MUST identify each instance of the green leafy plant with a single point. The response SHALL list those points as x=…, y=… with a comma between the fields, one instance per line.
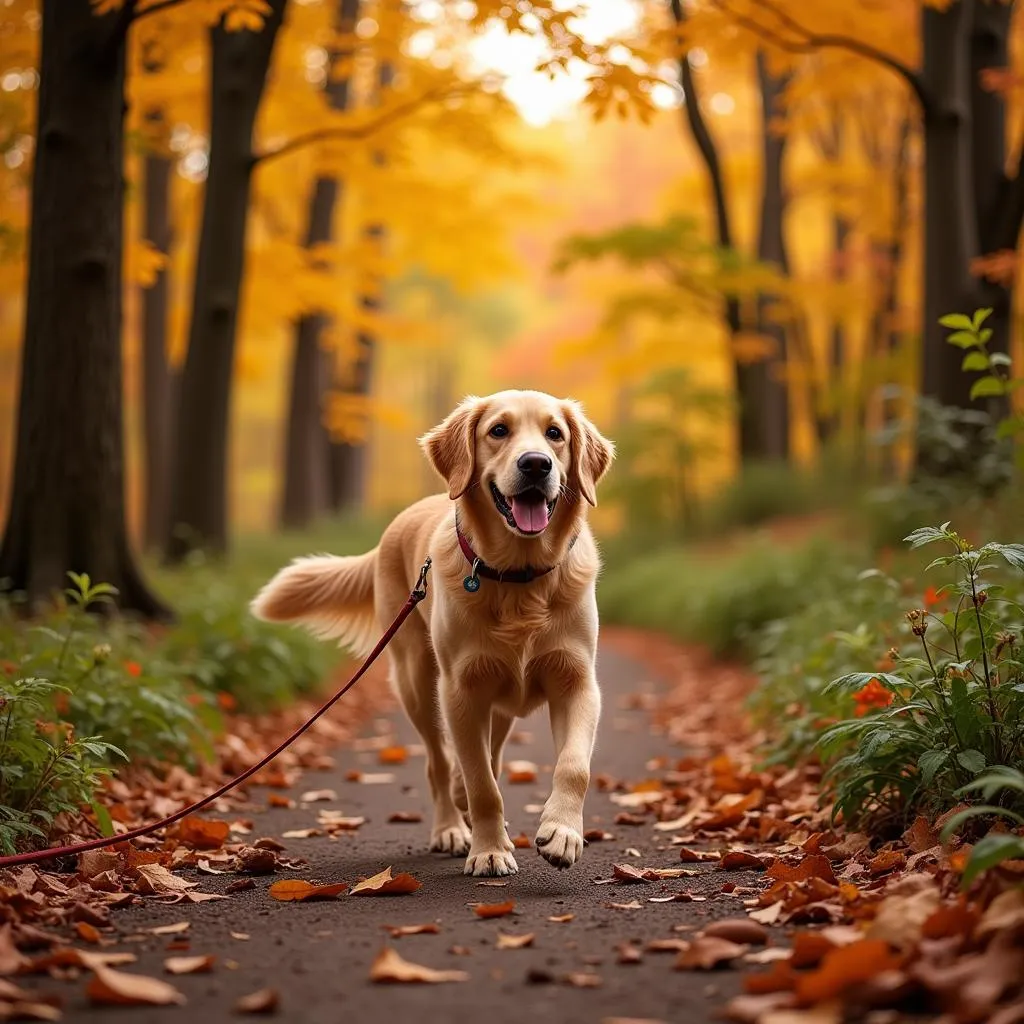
x=947, y=712
x=44, y=769
x=1006, y=785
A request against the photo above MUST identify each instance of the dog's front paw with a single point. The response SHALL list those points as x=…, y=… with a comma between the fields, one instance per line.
x=453, y=840
x=559, y=845
x=490, y=863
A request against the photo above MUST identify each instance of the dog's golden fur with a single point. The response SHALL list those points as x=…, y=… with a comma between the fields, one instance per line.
x=466, y=665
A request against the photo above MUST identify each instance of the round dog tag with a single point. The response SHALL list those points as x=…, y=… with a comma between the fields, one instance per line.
x=471, y=583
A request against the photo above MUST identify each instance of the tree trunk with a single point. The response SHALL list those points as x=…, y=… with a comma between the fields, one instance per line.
x=67, y=509
x=950, y=228
x=745, y=375
x=239, y=62
x=771, y=248
x=349, y=462
x=831, y=419
x=157, y=379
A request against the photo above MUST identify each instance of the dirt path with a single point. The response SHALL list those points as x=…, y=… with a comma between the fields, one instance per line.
x=318, y=955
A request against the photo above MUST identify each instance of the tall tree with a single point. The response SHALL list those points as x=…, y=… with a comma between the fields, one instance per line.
x=240, y=61
x=67, y=510
x=308, y=454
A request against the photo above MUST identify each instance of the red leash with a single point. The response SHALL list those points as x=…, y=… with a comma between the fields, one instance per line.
x=415, y=596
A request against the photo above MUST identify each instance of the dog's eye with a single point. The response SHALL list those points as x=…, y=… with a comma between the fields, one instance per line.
x=498, y=430
x=553, y=434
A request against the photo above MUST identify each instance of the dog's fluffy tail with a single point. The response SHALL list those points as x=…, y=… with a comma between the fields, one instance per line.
x=331, y=596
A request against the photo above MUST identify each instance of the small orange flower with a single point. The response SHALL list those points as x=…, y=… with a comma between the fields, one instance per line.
x=10, y=667
x=226, y=701
x=873, y=695
x=133, y=668
x=195, y=699
x=61, y=704
x=932, y=598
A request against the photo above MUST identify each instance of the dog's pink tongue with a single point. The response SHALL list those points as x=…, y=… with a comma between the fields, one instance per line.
x=530, y=513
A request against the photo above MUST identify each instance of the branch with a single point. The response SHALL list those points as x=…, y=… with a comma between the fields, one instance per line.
x=323, y=134
x=809, y=41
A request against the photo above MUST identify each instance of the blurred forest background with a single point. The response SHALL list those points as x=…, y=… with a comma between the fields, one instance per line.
x=728, y=226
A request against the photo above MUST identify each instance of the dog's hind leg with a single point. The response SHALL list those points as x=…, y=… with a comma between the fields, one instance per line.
x=414, y=679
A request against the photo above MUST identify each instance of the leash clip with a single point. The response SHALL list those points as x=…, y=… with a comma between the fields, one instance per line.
x=420, y=590
x=472, y=582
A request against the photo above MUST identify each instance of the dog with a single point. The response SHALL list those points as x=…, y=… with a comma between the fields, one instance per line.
x=510, y=621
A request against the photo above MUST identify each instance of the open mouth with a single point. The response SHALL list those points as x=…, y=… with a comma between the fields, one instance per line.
x=528, y=512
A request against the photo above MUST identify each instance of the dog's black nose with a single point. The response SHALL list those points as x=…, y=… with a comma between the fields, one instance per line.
x=534, y=465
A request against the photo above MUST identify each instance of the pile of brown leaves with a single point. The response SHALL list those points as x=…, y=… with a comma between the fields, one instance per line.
x=854, y=925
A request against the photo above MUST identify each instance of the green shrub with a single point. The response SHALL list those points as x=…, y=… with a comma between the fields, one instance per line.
x=721, y=601
x=44, y=768
x=943, y=715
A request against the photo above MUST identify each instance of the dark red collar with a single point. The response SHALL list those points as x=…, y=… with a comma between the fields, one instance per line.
x=480, y=568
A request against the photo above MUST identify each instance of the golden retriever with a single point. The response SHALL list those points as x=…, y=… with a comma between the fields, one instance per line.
x=510, y=620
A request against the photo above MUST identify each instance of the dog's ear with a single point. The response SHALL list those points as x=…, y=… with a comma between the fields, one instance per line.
x=592, y=453
x=451, y=445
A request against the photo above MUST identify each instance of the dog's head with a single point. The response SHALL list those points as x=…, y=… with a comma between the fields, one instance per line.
x=522, y=452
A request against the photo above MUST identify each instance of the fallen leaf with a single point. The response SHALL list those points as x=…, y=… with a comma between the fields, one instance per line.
x=302, y=833
x=562, y=918
x=370, y=778
x=397, y=931
x=335, y=822
x=667, y=946
x=256, y=860
x=156, y=880
x=886, y=861
x=629, y=954
x=582, y=979
x=843, y=968
x=625, y=818
x=759, y=1009
x=202, y=833
x=521, y=772
x=738, y=929
x=597, y=835
x=1005, y=912
x=768, y=915
x=288, y=890
x=812, y=866
x=393, y=755
x=277, y=800
x=77, y=958
x=900, y=919
x=488, y=910
x=110, y=988
x=265, y=1000
x=240, y=885
x=383, y=884
x=87, y=932
x=189, y=964
x=171, y=929
x=769, y=955
x=522, y=841
x=677, y=897
x=707, y=953
x=740, y=860
x=390, y=967
x=632, y=905
x=404, y=818
x=241, y=936
x=514, y=941
x=628, y=873
x=11, y=960
x=96, y=862
x=313, y=796
x=493, y=883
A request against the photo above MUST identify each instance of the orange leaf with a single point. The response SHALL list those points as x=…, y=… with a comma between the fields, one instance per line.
x=383, y=884
x=812, y=866
x=740, y=860
x=522, y=772
x=522, y=841
x=202, y=833
x=390, y=967
x=887, y=860
x=514, y=941
x=87, y=932
x=950, y=919
x=494, y=909
x=844, y=968
x=115, y=988
x=779, y=978
x=393, y=755
x=290, y=889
